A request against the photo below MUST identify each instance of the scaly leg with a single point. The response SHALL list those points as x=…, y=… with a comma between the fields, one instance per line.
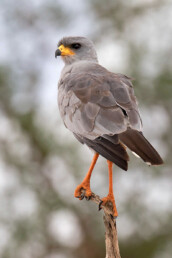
x=85, y=185
x=109, y=199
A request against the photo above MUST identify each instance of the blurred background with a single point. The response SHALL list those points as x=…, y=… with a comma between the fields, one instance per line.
x=40, y=161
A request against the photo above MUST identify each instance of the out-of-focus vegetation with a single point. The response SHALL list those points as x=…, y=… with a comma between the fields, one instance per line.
x=41, y=163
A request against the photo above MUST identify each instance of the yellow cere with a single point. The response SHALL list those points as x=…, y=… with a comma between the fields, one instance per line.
x=66, y=51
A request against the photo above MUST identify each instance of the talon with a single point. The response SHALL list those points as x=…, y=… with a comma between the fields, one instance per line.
x=82, y=196
x=87, y=198
x=100, y=203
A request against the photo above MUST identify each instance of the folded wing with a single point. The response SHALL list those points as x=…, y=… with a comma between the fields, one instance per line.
x=100, y=108
x=98, y=104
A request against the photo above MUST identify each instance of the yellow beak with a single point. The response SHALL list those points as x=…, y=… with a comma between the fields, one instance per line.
x=65, y=51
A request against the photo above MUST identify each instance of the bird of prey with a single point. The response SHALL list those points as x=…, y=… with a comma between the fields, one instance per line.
x=99, y=107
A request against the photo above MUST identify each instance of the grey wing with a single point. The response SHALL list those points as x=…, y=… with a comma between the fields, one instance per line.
x=124, y=95
x=93, y=105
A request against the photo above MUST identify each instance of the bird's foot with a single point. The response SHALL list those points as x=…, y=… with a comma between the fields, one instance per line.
x=109, y=202
x=83, y=190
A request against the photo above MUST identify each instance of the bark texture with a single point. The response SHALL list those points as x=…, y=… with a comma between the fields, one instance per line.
x=111, y=236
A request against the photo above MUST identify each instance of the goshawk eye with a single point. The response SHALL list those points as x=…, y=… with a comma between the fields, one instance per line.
x=76, y=45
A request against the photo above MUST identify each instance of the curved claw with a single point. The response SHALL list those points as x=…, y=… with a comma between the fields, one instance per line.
x=87, y=198
x=100, y=203
x=81, y=197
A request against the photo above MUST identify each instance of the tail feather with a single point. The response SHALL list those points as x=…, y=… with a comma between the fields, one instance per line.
x=137, y=143
x=113, y=152
x=118, y=149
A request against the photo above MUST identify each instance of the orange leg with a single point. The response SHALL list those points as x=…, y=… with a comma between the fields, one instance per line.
x=85, y=185
x=109, y=199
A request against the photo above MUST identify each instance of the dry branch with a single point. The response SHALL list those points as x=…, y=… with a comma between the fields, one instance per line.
x=111, y=237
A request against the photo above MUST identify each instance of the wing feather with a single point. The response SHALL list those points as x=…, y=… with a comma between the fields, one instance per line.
x=97, y=103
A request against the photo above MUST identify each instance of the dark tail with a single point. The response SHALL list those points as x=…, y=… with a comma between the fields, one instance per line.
x=137, y=143
x=113, y=152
